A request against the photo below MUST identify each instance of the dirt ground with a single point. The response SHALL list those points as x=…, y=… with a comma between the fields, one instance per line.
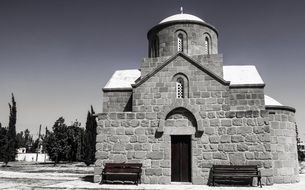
x=24, y=175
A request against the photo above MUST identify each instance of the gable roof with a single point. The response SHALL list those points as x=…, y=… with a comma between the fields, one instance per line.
x=237, y=75
x=195, y=63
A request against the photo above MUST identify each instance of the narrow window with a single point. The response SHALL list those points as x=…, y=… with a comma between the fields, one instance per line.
x=179, y=88
x=206, y=46
x=156, y=47
x=180, y=42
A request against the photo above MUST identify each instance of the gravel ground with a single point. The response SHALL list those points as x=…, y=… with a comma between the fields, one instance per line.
x=77, y=176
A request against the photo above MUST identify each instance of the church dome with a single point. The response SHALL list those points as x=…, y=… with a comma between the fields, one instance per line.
x=182, y=17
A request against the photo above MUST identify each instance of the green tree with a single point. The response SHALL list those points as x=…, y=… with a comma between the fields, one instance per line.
x=25, y=139
x=90, y=138
x=4, y=146
x=64, y=143
x=56, y=142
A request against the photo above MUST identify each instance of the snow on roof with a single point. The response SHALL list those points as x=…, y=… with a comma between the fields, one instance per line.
x=123, y=78
x=242, y=74
x=182, y=16
x=271, y=102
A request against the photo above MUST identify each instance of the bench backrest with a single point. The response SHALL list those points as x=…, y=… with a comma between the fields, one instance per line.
x=123, y=167
x=240, y=169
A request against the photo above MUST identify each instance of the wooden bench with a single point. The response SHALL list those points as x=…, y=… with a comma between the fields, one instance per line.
x=235, y=171
x=122, y=172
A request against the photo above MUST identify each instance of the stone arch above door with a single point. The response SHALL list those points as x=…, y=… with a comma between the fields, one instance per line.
x=186, y=112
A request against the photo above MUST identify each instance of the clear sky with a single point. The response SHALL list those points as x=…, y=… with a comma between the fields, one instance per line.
x=56, y=55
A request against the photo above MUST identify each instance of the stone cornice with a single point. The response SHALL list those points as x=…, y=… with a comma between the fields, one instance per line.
x=286, y=108
x=117, y=89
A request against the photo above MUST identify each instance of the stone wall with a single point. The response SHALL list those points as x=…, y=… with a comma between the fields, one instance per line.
x=117, y=100
x=227, y=138
x=247, y=98
x=206, y=92
x=283, y=145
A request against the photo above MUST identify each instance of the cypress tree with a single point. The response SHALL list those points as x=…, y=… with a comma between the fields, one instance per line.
x=90, y=138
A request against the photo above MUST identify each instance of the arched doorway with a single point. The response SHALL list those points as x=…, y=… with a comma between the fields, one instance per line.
x=180, y=124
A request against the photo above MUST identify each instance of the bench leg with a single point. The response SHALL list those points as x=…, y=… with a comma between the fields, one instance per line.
x=213, y=181
x=259, y=182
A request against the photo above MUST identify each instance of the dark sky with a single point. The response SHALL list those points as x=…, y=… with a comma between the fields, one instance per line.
x=56, y=55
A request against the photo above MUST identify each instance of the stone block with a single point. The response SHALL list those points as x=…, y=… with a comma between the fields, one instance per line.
x=153, y=171
x=264, y=137
x=242, y=147
x=119, y=158
x=119, y=147
x=250, y=138
x=129, y=131
x=262, y=155
x=101, y=138
x=237, y=158
x=225, y=138
x=231, y=131
x=237, y=138
x=214, y=139
x=101, y=155
x=155, y=155
x=209, y=130
x=237, y=122
x=226, y=147
x=244, y=130
x=207, y=156
x=226, y=122
x=266, y=172
x=139, y=131
x=219, y=155
x=222, y=130
x=214, y=122
x=250, y=155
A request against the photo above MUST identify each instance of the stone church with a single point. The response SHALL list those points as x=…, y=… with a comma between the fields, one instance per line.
x=183, y=110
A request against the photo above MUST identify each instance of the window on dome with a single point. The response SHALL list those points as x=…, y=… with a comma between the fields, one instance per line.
x=154, y=47
x=180, y=88
x=206, y=45
x=180, y=42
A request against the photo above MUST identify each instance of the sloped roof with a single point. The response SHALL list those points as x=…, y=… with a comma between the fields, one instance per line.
x=271, y=102
x=242, y=74
x=123, y=79
x=237, y=75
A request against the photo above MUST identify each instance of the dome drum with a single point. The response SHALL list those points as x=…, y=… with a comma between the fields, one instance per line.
x=196, y=38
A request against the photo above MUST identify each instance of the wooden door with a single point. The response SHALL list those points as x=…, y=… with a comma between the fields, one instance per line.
x=181, y=158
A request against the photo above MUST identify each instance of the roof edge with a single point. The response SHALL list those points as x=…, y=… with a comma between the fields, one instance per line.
x=195, y=63
x=277, y=107
x=247, y=86
x=117, y=89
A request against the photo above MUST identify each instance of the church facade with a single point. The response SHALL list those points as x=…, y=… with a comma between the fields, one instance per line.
x=183, y=111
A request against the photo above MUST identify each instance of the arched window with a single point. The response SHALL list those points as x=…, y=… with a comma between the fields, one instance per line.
x=180, y=42
x=154, y=47
x=180, y=88
x=206, y=45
